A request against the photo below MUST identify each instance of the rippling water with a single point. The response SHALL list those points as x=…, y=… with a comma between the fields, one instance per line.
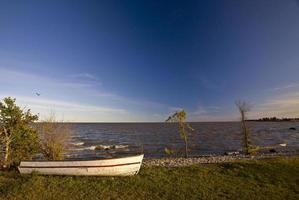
x=152, y=138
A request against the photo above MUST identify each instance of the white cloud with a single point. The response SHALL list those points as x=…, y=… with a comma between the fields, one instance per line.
x=284, y=102
x=288, y=86
x=75, y=112
x=202, y=110
x=211, y=113
x=69, y=111
x=63, y=105
x=283, y=105
x=86, y=101
x=76, y=101
x=22, y=78
x=85, y=76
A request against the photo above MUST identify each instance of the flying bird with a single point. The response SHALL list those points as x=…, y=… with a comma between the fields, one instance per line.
x=37, y=94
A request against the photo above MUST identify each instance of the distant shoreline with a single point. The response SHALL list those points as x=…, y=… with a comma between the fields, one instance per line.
x=249, y=120
x=274, y=119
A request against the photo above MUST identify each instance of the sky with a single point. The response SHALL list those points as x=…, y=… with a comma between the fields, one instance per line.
x=139, y=61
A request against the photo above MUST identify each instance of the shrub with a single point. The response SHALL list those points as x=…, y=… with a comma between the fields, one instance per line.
x=54, y=138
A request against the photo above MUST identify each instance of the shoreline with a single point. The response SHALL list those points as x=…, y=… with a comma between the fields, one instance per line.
x=212, y=159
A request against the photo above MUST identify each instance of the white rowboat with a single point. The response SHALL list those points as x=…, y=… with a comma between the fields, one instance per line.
x=125, y=166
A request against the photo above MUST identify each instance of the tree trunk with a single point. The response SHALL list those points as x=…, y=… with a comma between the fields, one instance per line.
x=186, y=147
x=7, y=141
x=185, y=140
x=245, y=131
x=6, y=164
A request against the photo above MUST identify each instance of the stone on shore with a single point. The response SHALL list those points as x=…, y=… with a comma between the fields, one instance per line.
x=180, y=162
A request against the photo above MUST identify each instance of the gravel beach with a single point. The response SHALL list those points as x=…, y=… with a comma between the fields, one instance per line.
x=180, y=162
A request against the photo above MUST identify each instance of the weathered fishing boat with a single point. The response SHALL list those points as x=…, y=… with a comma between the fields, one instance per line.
x=125, y=166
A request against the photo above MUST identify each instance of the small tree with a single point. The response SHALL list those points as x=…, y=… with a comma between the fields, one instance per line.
x=54, y=138
x=18, y=139
x=244, y=108
x=184, y=127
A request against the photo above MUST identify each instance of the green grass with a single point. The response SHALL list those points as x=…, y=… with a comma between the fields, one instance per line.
x=264, y=179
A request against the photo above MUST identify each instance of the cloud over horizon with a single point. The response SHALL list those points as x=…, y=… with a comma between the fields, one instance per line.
x=109, y=107
x=104, y=106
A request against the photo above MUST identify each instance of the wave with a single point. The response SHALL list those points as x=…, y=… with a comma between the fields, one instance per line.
x=121, y=146
x=283, y=144
x=90, y=148
x=84, y=148
x=103, y=147
x=107, y=147
x=77, y=143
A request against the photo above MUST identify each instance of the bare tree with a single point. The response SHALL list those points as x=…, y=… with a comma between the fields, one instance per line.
x=244, y=108
x=54, y=138
x=184, y=127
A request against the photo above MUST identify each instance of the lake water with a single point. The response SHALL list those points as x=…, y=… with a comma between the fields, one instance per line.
x=153, y=138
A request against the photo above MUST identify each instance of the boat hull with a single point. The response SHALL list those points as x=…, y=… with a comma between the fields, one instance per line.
x=126, y=166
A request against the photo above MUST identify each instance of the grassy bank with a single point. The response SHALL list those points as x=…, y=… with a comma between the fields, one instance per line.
x=264, y=179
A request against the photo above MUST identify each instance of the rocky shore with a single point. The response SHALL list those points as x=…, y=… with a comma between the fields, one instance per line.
x=180, y=162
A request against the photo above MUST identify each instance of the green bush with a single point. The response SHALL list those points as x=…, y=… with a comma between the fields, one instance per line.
x=18, y=138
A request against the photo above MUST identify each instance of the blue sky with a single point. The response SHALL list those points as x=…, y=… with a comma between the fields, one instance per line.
x=126, y=61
